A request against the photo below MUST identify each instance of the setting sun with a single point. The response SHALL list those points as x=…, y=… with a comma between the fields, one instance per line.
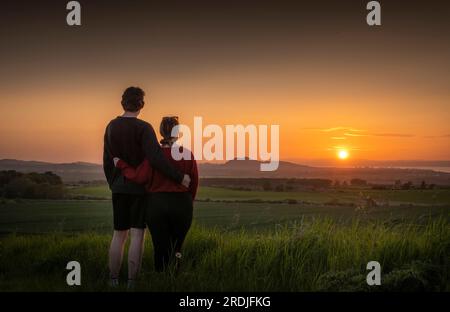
x=342, y=154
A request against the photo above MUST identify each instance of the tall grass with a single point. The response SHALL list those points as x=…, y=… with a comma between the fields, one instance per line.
x=321, y=255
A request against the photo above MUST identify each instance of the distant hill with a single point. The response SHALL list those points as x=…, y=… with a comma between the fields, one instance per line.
x=69, y=172
x=72, y=172
x=250, y=169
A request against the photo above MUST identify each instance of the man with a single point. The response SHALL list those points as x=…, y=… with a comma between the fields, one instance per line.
x=132, y=140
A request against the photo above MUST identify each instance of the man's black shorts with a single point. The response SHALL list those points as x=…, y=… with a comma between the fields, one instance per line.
x=128, y=211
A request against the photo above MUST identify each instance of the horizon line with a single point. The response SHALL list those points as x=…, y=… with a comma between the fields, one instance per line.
x=298, y=161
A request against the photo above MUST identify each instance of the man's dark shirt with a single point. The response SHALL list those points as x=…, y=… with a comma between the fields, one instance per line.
x=132, y=140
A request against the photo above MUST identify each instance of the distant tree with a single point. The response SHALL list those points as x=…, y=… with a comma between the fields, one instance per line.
x=358, y=182
x=380, y=187
x=15, y=184
x=337, y=183
x=8, y=176
x=53, y=179
x=47, y=177
x=345, y=184
x=315, y=183
x=267, y=186
x=21, y=187
x=407, y=186
x=279, y=188
x=289, y=187
x=423, y=185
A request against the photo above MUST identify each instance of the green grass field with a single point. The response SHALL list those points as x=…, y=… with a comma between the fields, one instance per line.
x=316, y=256
x=44, y=216
x=323, y=242
x=437, y=196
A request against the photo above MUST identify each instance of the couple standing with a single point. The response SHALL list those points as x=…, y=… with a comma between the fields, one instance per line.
x=149, y=188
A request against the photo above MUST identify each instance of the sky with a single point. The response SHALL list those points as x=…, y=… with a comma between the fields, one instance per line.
x=314, y=68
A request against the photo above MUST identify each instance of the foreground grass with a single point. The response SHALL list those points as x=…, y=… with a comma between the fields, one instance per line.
x=306, y=256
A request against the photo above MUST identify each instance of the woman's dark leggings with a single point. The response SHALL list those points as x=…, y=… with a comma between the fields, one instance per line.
x=168, y=217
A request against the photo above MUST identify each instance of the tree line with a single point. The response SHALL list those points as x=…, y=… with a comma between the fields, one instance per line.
x=14, y=184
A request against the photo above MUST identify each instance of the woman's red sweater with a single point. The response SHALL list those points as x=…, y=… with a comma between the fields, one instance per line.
x=155, y=181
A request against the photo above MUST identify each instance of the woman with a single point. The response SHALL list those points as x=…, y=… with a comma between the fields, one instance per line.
x=170, y=205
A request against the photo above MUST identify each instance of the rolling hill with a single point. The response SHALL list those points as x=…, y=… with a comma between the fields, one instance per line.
x=77, y=171
x=69, y=172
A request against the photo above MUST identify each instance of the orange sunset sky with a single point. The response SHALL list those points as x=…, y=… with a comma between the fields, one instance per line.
x=330, y=81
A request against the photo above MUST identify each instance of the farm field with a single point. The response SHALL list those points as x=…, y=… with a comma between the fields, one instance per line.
x=437, y=196
x=38, y=216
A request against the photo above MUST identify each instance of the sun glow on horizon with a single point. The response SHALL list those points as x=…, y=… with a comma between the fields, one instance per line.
x=342, y=154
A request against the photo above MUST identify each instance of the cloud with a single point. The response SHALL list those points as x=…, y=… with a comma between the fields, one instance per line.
x=437, y=136
x=354, y=134
x=338, y=138
x=339, y=147
x=394, y=135
x=348, y=129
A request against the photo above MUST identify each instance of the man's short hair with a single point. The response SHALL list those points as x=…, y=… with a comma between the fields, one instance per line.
x=133, y=99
